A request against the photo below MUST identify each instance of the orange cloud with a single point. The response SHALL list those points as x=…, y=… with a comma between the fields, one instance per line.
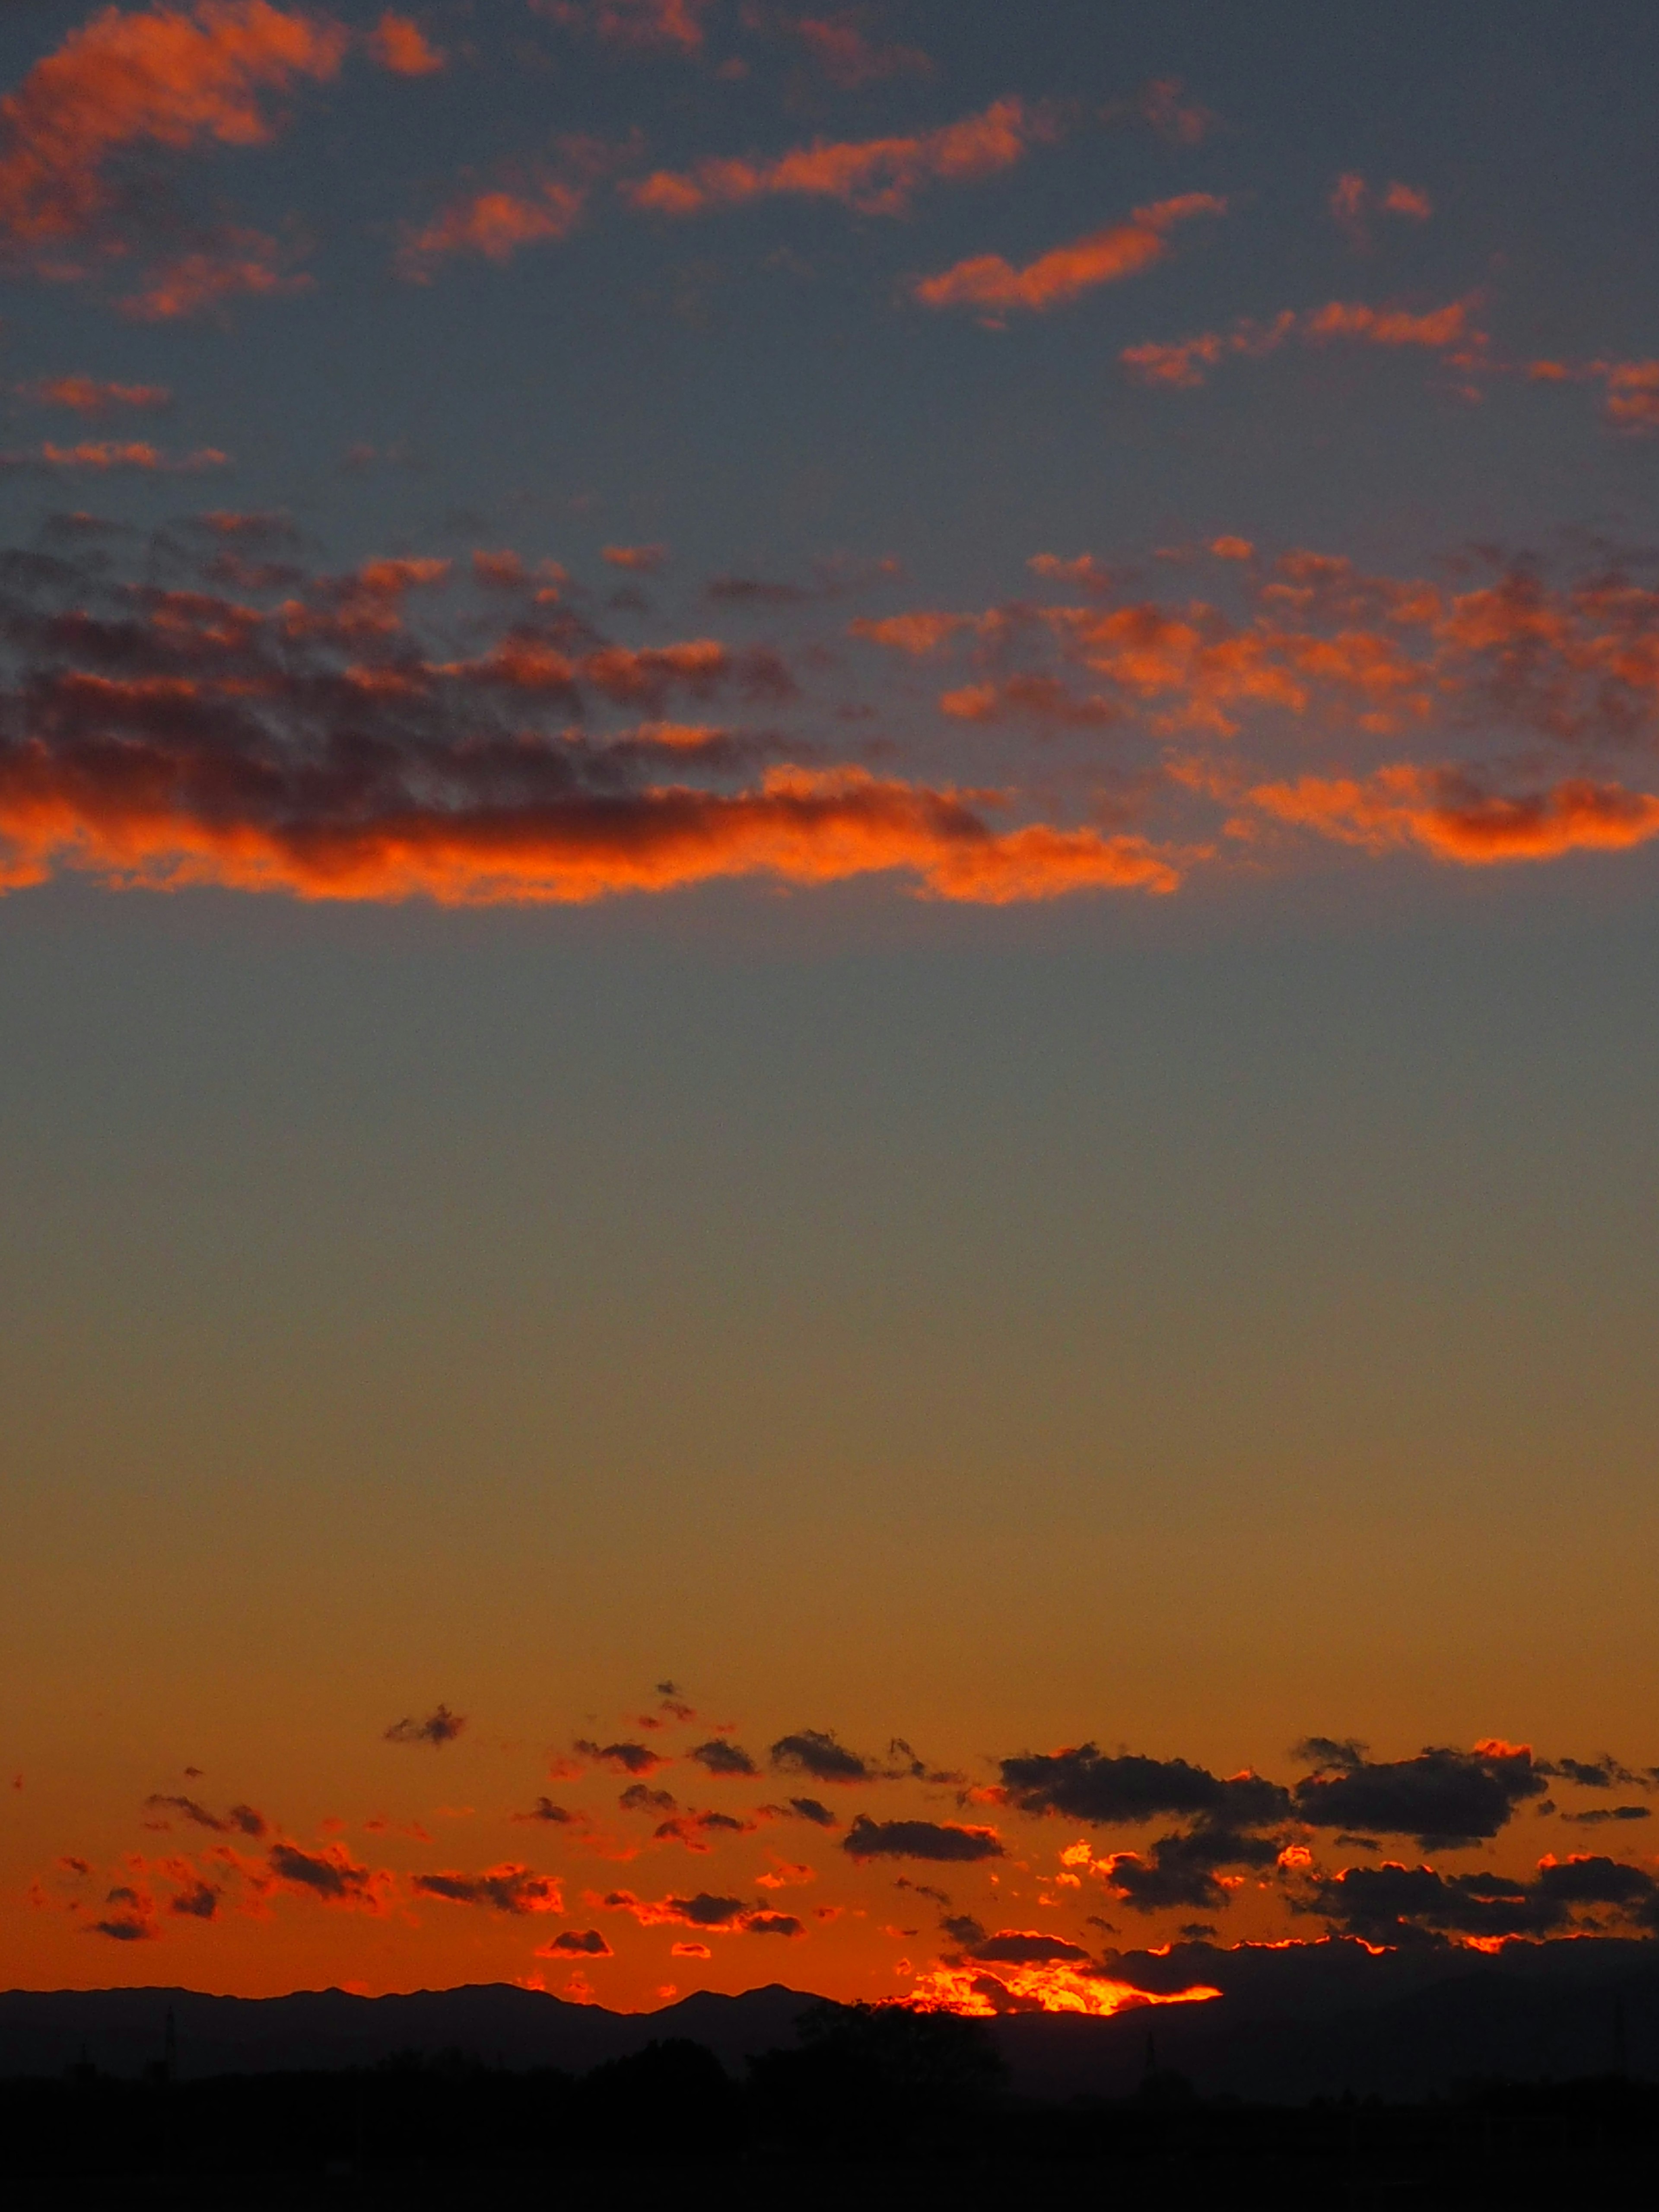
x=1408, y=200
x=1632, y=392
x=239, y=264
x=1444, y=813
x=1390, y=326
x=1183, y=363
x=496, y=224
x=643, y=559
x=878, y=176
x=89, y=395
x=848, y=59
x=104, y=457
x=399, y=44
x=915, y=634
x=168, y=76
x=801, y=827
x=644, y=26
x=1042, y=697
x=1352, y=200
x=1103, y=257
x=1180, y=122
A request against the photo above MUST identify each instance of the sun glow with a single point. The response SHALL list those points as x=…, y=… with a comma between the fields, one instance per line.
x=1051, y=1987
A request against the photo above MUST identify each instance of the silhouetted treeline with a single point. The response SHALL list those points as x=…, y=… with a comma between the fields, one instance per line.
x=871, y=2087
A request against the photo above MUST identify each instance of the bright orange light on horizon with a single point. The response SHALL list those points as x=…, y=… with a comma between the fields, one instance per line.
x=1056, y=1986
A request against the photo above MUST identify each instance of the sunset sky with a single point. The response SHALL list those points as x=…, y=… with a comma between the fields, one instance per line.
x=829, y=857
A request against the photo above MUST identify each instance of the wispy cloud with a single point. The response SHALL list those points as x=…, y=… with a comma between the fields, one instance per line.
x=1065, y=273
x=878, y=176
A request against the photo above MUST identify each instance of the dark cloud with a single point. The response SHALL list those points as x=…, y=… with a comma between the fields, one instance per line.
x=904, y=1766
x=943, y=1841
x=440, y=1726
x=199, y=1902
x=241, y=1819
x=131, y=1924
x=1598, y=1815
x=810, y=1809
x=772, y=1923
x=1442, y=1797
x=1182, y=1869
x=962, y=1928
x=188, y=1809
x=924, y=1889
x=328, y=1874
x=815, y=1754
x=636, y=1798
x=695, y=1829
x=1604, y=1773
x=545, y=1810
x=755, y=592
x=702, y=1910
x=1024, y=1946
x=513, y=1889
x=722, y=1758
x=1398, y=1904
x=630, y=1758
x=1084, y=1783
x=1593, y=1880
x=587, y=1944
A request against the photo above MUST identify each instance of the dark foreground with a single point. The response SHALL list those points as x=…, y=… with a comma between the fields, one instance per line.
x=868, y=2109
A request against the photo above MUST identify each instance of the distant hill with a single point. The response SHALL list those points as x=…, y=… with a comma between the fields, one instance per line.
x=1290, y=2024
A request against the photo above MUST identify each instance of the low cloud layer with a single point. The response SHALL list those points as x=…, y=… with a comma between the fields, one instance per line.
x=222, y=712
x=1016, y=1876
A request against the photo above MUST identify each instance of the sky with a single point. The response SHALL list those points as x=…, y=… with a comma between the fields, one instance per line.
x=828, y=868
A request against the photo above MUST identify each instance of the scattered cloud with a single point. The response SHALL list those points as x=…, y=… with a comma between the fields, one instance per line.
x=721, y=1758
x=877, y=176
x=241, y=1819
x=1353, y=202
x=398, y=44
x=815, y=1754
x=1104, y=256
x=233, y=263
x=494, y=223
x=842, y=50
x=577, y=1943
x=166, y=77
x=942, y=1841
x=329, y=1876
x=91, y=395
x=1447, y=813
x=513, y=1889
x=105, y=457
x=1183, y=364
x=1084, y=1783
x=440, y=1726
x=623, y=1758
x=642, y=26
